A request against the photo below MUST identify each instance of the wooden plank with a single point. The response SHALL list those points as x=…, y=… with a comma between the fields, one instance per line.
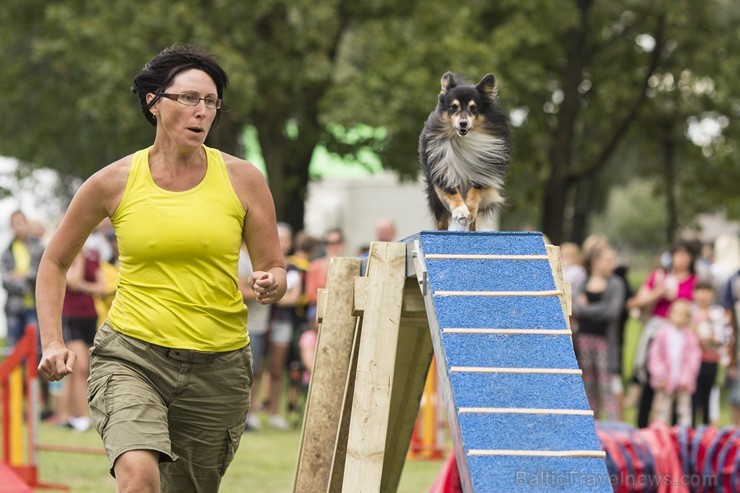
x=554, y=292
x=320, y=304
x=415, y=267
x=359, y=291
x=340, y=446
x=490, y=369
x=412, y=306
x=445, y=388
x=524, y=410
x=326, y=393
x=413, y=357
x=376, y=361
x=600, y=454
x=465, y=256
x=540, y=332
x=413, y=302
x=413, y=314
x=553, y=253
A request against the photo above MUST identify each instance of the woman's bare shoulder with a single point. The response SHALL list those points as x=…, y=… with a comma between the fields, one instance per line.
x=240, y=168
x=248, y=181
x=109, y=182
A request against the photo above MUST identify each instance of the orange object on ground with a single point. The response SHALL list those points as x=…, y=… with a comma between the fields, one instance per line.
x=424, y=444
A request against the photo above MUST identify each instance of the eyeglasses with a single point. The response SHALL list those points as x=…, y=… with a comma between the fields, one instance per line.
x=190, y=99
x=333, y=242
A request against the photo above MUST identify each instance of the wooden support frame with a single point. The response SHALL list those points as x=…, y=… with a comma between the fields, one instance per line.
x=384, y=370
x=373, y=354
x=565, y=288
x=376, y=356
x=332, y=370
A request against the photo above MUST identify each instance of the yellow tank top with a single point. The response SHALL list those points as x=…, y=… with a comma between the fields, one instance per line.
x=177, y=285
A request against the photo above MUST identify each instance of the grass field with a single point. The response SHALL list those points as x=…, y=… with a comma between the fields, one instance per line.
x=264, y=463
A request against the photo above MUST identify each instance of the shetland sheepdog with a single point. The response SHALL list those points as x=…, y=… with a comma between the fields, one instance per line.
x=464, y=151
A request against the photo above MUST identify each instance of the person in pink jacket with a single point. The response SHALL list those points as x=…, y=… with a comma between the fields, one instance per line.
x=673, y=362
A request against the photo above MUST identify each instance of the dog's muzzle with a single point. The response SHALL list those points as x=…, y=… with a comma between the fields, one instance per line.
x=463, y=127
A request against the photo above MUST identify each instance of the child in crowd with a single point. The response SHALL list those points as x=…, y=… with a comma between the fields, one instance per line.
x=307, y=343
x=674, y=359
x=672, y=281
x=712, y=328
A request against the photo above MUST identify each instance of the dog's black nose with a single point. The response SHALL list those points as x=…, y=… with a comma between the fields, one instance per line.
x=463, y=124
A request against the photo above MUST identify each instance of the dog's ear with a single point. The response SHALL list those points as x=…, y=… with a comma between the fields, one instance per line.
x=488, y=87
x=448, y=82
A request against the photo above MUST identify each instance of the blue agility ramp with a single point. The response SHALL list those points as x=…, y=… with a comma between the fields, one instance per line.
x=516, y=403
x=492, y=308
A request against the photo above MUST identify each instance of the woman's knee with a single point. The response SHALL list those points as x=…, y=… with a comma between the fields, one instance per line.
x=137, y=471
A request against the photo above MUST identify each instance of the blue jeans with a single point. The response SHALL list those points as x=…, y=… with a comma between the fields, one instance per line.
x=17, y=323
x=258, y=342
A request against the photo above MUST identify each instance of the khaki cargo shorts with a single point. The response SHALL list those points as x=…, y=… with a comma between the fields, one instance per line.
x=189, y=406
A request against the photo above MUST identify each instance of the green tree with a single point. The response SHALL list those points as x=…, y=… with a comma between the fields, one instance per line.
x=69, y=65
x=577, y=75
x=634, y=217
x=580, y=76
x=591, y=87
x=690, y=104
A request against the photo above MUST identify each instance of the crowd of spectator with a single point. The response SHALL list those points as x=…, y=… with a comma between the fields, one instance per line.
x=683, y=365
x=687, y=311
x=91, y=282
x=284, y=336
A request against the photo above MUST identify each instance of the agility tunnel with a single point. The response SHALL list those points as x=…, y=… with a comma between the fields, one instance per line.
x=493, y=309
x=705, y=459
x=656, y=459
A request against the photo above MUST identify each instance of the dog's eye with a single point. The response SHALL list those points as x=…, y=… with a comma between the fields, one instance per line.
x=454, y=107
x=472, y=107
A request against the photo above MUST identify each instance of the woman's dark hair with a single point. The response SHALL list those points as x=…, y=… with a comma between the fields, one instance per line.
x=688, y=247
x=158, y=74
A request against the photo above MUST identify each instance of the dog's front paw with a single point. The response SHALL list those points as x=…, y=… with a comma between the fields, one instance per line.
x=461, y=219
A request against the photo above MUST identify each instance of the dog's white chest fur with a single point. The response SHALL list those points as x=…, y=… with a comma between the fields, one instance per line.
x=462, y=161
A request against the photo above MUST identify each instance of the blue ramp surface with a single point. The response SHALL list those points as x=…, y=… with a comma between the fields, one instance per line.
x=518, y=411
